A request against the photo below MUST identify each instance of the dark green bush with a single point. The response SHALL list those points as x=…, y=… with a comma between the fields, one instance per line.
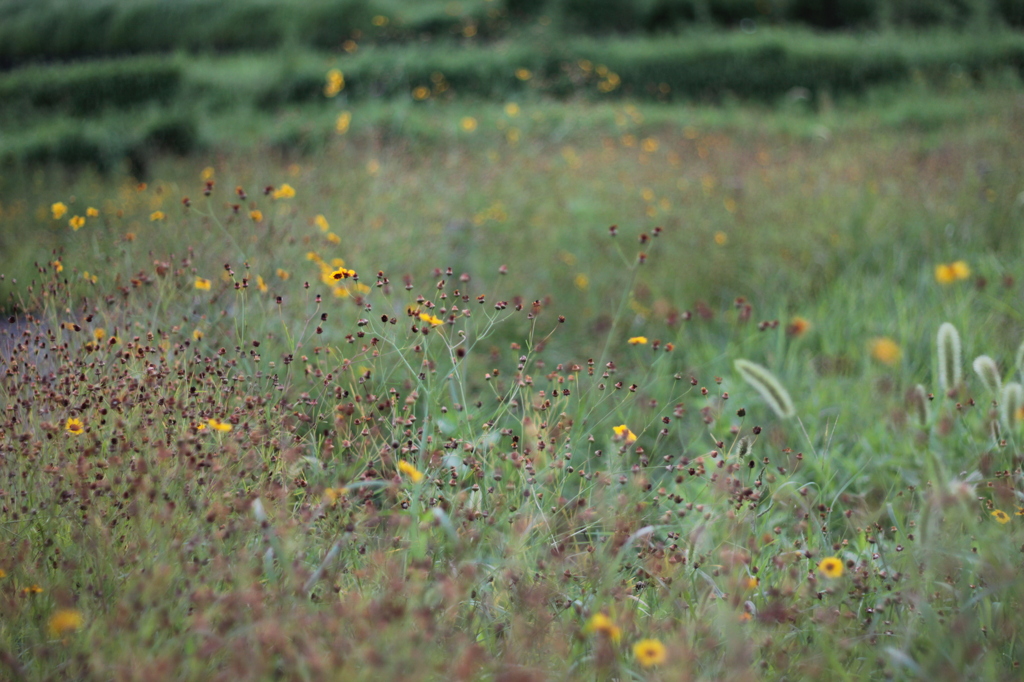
x=89, y=87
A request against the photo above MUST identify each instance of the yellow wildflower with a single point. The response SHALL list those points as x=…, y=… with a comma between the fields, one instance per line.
x=885, y=350
x=202, y=284
x=256, y=215
x=64, y=621
x=260, y=284
x=1001, y=516
x=343, y=123
x=468, y=123
x=649, y=652
x=218, y=425
x=622, y=432
x=321, y=222
x=59, y=209
x=157, y=215
x=283, y=274
x=76, y=222
x=74, y=426
x=831, y=567
x=431, y=319
x=92, y=212
x=605, y=626
x=286, y=191
x=197, y=334
x=335, y=83
x=410, y=471
x=638, y=341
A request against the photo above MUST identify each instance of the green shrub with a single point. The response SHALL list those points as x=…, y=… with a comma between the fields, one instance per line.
x=86, y=88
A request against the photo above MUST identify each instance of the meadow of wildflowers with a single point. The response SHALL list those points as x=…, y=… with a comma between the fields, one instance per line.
x=523, y=390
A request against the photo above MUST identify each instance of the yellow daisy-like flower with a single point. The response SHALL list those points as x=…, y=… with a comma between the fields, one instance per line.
x=256, y=215
x=197, y=334
x=468, y=123
x=286, y=191
x=59, y=209
x=622, y=432
x=283, y=274
x=1001, y=516
x=157, y=216
x=885, y=350
x=410, y=471
x=76, y=222
x=961, y=270
x=98, y=333
x=202, y=284
x=218, y=425
x=333, y=238
x=74, y=426
x=321, y=222
x=831, y=567
x=605, y=626
x=58, y=266
x=344, y=120
x=260, y=284
x=431, y=319
x=92, y=212
x=342, y=273
x=650, y=652
x=64, y=621
x=335, y=83
x=32, y=589
x=638, y=341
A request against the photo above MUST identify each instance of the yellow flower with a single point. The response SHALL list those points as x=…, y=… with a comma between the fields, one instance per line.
x=420, y=93
x=321, y=222
x=92, y=212
x=649, y=652
x=721, y=238
x=32, y=589
x=524, y=74
x=256, y=215
x=511, y=109
x=947, y=273
x=961, y=270
x=468, y=123
x=410, y=471
x=1001, y=516
x=286, y=191
x=207, y=174
x=342, y=273
x=202, y=284
x=218, y=425
x=64, y=621
x=581, y=281
x=335, y=83
x=431, y=319
x=76, y=222
x=157, y=215
x=638, y=341
x=3, y=573
x=603, y=625
x=197, y=334
x=332, y=495
x=831, y=567
x=333, y=238
x=59, y=209
x=74, y=426
x=260, y=284
x=98, y=333
x=622, y=432
x=343, y=122
x=885, y=350
x=283, y=274
x=89, y=278
x=58, y=266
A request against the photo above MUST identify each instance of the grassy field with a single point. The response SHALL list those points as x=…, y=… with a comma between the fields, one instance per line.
x=390, y=391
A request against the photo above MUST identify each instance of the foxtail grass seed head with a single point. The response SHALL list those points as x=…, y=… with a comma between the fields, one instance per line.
x=1011, y=404
x=919, y=405
x=765, y=383
x=987, y=370
x=950, y=358
x=1019, y=361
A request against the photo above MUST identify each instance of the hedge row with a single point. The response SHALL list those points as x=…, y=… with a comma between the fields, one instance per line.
x=48, y=30
x=764, y=66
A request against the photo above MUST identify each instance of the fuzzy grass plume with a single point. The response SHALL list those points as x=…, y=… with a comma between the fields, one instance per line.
x=987, y=370
x=770, y=388
x=950, y=358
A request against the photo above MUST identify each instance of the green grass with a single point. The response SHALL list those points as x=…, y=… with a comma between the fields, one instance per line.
x=294, y=547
